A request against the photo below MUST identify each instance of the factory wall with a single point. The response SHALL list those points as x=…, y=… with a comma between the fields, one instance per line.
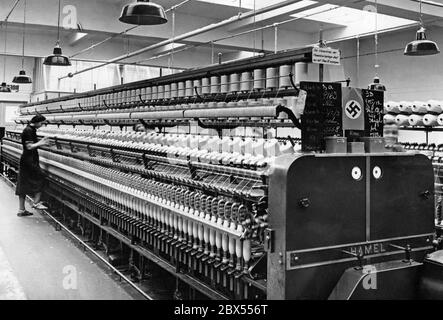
x=406, y=78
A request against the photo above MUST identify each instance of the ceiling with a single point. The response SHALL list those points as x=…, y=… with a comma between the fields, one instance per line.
x=99, y=19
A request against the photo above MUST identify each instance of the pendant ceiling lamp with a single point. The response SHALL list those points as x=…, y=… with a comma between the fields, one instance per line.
x=22, y=77
x=143, y=12
x=4, y=87
x=421, y=46
x=376, y=85
x=57, y=58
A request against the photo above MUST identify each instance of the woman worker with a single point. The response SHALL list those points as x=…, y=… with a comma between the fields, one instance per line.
x=30, y=176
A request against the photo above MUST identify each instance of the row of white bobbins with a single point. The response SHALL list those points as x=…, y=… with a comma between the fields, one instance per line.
x=419, y=107
x=429, y=120
x=272, y=78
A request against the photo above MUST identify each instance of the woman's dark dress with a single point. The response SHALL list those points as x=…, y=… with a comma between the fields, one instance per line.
x=30, y=176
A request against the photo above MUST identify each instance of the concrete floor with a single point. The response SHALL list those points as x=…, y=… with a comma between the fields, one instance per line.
x=38, y=262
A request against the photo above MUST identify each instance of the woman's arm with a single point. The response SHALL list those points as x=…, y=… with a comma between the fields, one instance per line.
x=31, y=146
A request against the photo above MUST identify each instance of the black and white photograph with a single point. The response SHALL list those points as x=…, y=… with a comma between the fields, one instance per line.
x=209, y=157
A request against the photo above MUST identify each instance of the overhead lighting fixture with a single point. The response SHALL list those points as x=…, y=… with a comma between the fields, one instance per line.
x=421, y=46
x=57, y=58
x=376, y=85
x=22, y=77
x=143, y=12
x=4, y=88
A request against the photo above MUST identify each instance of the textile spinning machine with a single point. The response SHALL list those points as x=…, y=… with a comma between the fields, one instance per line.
x=244, y=180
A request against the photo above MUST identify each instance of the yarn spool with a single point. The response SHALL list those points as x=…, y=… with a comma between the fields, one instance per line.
x=119, y=98
x=285, y=80
x=161, y=92
x=271, y=79
x=110, y=100
x=389, y=119
x=215, y=85
x=107, y=98
x=259, y=80
x=234, y=82
x=393, y=107
x=148, y=93
x=430, y=120
x=125, y=97
x=197, y=84
x=174, y=92
x=434, y=106
x=415, y=120
x=401, y=120
x=419, y=107
x=246, y=81
x=137, y=95
x=224, y=84
x=167, y=93
x=154, y=93
x=181, y=90
x=189, y=91
x=405, y=107
x=128, y=97
x=142, y=94
x=206, y=87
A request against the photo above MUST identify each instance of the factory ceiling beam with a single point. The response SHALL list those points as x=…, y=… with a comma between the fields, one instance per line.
x=187, y=35
x=407, y=9
x=91, y=15
x=14, y=5
x=273, y=14
x=395, y=14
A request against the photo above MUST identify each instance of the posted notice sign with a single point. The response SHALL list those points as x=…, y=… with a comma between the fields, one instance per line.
x=326, y=56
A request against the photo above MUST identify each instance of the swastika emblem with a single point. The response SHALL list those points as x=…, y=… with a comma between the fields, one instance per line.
x=353, y=109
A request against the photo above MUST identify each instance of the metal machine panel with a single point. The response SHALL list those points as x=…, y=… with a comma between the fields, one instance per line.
x=329, y=213
x=401, y=196
x=325, y=204
x=314, y=202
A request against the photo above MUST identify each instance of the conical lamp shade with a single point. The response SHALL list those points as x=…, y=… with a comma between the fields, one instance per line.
x=376, y=85
x=143, y=12
x=421, y=46
x=57, y=58
x=22, y=78
x=4, y=88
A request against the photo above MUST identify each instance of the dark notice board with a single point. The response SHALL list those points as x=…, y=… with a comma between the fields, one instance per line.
x=323, y=114
x=373, y=103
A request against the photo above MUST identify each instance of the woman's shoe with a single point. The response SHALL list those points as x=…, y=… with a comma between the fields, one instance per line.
x=24, y=213
x=40, y=206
